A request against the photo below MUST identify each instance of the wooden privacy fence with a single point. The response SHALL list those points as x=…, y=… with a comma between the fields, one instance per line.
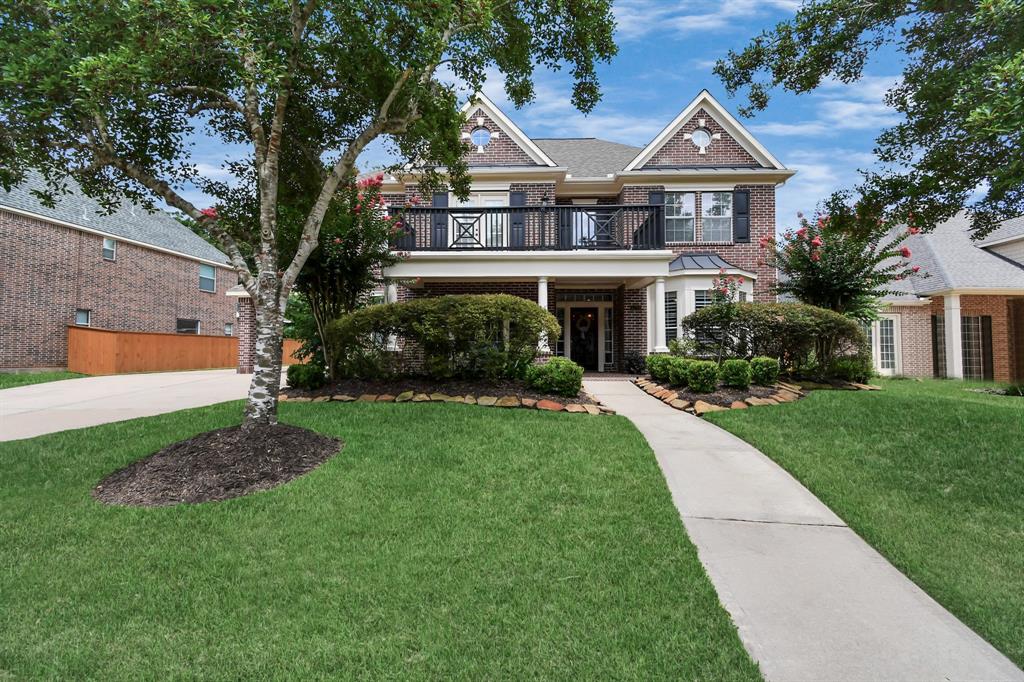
x=101, y=351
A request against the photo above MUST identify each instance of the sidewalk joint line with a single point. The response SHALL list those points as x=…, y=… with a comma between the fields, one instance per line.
x=780, y=523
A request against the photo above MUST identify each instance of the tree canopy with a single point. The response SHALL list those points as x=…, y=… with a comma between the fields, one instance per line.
x=961, y=93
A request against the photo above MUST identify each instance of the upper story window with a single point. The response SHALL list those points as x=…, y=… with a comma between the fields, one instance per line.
x=187, y=326
x=229, y=329
x=480, y=137
x=679, y=216
x=716, y=216
x=83, y=317
x=109, y=249
x=207, y=278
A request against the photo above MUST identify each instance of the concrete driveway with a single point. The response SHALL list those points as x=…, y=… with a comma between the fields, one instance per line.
x=28, y=411
x=811, y=600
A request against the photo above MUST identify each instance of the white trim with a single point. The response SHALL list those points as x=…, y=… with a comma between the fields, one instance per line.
x=518, y=136
x=997, y=242
x=64, y=223
x=897, y=341
x=722, y=117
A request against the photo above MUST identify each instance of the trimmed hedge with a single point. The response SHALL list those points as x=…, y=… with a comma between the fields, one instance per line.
x=804, y=338
x=309, y=377
x=735, y=373
x=561, y=376
x=764, y=371
x=678, y=371
x=658, y=366
x=487, y=336
x=702, y=376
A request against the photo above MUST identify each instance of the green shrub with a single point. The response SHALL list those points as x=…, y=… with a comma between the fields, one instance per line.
x=804, y=338
x=635, y=363
x=657, y=366
x=678, y=371
x=307, y=377
x=764, y=371
x=560, y=376
x=486, y=336
x=856, y=368
x=702, y=376
x=735, y=373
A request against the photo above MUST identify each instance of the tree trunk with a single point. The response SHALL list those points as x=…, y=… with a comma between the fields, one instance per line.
x=261, y=408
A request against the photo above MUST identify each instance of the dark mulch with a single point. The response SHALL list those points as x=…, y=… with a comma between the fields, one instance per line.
x=724, y=396
x=358, y=387
x=218, y=465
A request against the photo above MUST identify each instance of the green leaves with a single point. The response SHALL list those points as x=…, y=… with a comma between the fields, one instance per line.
x=962, y=96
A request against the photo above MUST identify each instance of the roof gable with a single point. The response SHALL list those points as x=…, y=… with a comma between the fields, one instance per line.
x=668, y=147
x=510, y=146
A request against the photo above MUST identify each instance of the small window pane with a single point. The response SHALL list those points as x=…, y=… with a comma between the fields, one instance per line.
x=886, y=344
x=970, y=337
x=609, y=339
x=187, y=326
x=716, y=216
x=109, y=249
x=701, y=299
x=207, y=278
x=679, y=216
x=229, y=329
x=671, y=316
x=83, y=317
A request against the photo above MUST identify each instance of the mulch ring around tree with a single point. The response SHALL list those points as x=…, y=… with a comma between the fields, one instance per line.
x=218, y=465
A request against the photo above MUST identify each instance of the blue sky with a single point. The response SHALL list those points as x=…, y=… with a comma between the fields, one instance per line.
x=666, y=52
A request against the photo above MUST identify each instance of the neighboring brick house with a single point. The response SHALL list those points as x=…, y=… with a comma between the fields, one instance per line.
x=129, y=271
x=619, y=242
x=966, y=317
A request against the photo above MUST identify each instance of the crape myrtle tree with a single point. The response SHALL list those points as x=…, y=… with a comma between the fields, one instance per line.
x=961, y=94
x=114, y=94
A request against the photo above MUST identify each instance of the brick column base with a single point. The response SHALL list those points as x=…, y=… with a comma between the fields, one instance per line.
x=246, y=335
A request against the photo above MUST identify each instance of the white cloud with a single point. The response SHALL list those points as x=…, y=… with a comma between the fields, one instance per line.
x=820, y=172
x=841, y=107
x=638, y=18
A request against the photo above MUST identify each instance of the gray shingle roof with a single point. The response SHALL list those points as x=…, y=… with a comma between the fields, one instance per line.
x=588, y=157
x=1008, y=229
x=132, y=222
x=700, y=261
x=952, y=260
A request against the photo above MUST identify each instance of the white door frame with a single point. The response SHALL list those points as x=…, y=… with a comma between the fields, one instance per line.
x=567, y=339
x=876, y=346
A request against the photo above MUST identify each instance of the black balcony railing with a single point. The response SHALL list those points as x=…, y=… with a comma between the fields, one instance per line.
x=526, y=228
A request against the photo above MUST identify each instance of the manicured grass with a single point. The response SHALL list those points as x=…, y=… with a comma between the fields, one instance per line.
x=444, y=542
x=929, y=474
x=26, y=378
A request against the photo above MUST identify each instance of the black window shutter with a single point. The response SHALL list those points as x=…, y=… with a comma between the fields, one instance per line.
x=653, y=235
x=986, y=347
x=741, y=215
x=936, y=361
x=517, y=227
x=439, y=222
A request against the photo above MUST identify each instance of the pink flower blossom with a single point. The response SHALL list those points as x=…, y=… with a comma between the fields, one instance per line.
x=801, y=233
x=905, y=252
x=816, y=241
x=815, y=256
x=916, y=268
x=209, y=212
x=913, y=230
x=741, y=280
x=337, y=240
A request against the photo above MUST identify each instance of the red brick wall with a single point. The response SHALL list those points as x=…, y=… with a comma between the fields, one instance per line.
x=1004, y=352
x=498, y=152
x=916, y=340
x=723, y=152
x=746, y=256
x=48, y=271
x=634, y=321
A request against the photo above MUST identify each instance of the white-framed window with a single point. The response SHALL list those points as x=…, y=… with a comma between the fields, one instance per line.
x=187, y=326
x=671, y=316
x=229, y=329
x=680, y=216
x=884, y=339
x=207, y=278
x=701, y=299
x=743, y=297
x=83, y=317
x=109, y=249
x=716, y=216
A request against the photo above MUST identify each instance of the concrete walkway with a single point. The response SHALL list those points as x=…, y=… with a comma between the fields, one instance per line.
x=28, y=411
x=811, y=600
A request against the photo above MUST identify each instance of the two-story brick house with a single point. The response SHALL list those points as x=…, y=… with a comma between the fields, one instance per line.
x=76, y=264
x=618, y=242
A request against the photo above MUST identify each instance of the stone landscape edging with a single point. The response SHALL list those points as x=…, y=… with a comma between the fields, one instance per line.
x=507, y=401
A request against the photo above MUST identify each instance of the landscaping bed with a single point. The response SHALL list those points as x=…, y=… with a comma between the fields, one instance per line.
x=217, y=465
x=444, y=543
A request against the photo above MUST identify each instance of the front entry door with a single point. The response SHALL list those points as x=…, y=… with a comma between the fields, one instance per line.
x=583, y=335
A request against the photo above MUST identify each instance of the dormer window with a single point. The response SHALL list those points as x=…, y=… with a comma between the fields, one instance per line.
x=480, y=137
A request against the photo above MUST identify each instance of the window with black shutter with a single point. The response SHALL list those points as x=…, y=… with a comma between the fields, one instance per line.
x=741, y=215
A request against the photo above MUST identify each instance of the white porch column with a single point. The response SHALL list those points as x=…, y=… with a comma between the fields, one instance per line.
x=954, y=338
x=542, y=301
x=659, y=316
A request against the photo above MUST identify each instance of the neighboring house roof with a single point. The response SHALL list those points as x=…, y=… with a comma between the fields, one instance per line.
x=953, y=262
x=587, y=157
x=130, y=222
x=1008, y=230
x=700, y=261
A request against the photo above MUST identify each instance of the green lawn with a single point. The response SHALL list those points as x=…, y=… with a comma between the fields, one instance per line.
x=26, y=378
x=929, y=474
x=444, y=542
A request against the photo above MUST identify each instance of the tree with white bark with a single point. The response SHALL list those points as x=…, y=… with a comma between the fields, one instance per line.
x=116, y=95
